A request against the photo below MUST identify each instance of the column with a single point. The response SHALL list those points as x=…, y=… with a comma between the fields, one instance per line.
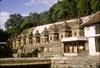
x=77, y=44
x=75, y=48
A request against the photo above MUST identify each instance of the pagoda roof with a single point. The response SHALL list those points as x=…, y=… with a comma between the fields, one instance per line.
x=45, y=31
x=37, y=34
x=53, y=29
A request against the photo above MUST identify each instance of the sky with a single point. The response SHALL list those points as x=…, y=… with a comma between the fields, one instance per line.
x=23, y=7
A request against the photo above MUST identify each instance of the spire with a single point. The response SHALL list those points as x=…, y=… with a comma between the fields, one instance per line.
x=30, y=35
x=45, y=31
x=37, y=34
x=65, y=27
x=54, y=28
x=79, y=21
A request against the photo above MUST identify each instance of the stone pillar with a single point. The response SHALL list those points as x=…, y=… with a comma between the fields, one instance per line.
x=34, y=40
x=19, y=42
x=75, y=49
x=62, y=48
x=43, y=39
x=27, y=41
x=30, y=41
x=23, y=41
x=77, y=44
x=14, y=43
x=70, y=49
x=50, y=38
x=53, y=37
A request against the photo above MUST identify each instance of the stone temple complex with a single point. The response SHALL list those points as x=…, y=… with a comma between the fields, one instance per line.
x=67, y=44
x=66, y=38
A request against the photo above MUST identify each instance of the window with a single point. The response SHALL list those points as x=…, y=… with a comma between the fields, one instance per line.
x=69, y=34
x=97, y=28
x=57, y=38
x=30, y=40
x=61, y=36
x=97, y=44
x=74, y=33
x=47, y=39
x=37, y=40
x=24, y=41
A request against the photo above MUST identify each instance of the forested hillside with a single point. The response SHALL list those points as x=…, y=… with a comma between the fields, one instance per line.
x=62, y=10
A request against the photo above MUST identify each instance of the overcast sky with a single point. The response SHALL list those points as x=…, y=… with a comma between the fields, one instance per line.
x=24, y=7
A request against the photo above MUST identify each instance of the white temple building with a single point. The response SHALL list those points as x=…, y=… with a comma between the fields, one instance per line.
x=92, y=32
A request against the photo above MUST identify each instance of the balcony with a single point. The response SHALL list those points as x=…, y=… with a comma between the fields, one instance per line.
x=69, y=39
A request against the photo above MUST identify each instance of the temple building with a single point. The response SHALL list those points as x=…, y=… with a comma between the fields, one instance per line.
x=66, y=38
x=75, y=43
x=92, y=32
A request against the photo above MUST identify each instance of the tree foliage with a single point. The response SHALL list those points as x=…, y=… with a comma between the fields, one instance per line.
x=62, y=10
x=13, y=24
x=30, y=21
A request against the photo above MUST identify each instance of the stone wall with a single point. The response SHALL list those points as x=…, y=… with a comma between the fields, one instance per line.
x=91, y=62
x=54, y=62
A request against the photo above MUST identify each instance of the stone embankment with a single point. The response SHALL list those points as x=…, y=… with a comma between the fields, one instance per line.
x=54, y=62
x=76, y=62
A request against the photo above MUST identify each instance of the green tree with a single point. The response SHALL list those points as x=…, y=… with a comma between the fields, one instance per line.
x=13, y=24
x=44, y=18
x=72, y=11
x=95, y=5
x=32, y=20
x=83, y=7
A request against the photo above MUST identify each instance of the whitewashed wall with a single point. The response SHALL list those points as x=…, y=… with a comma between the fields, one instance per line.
x=90, y=33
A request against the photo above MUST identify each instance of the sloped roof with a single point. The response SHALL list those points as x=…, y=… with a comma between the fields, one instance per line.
x=65, y=27
x=37, y=34
x=45, y=31
x=30, y=35
x=94, y=18
x=53, y=28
